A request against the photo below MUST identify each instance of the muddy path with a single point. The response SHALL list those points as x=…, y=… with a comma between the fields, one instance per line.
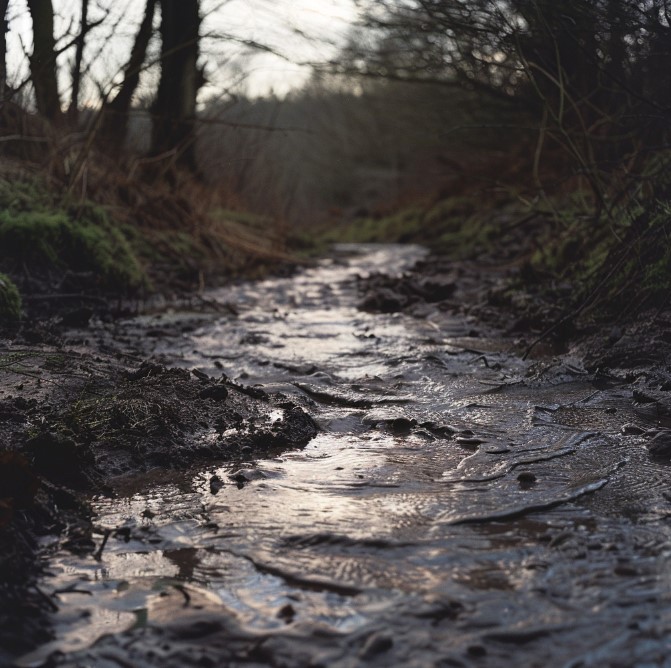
x=460, y=506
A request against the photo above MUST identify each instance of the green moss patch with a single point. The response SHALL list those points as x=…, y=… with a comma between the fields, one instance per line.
x=10, y=301
x=403, y=226
x=40, y=235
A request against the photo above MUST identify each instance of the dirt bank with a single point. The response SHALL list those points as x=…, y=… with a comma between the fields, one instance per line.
x=75, y=422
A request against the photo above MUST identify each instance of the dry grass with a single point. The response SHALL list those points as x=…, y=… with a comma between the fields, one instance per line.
x=170, y=216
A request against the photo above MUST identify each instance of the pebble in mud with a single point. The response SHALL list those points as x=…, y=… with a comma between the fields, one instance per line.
x=659, y=447
x=631, y=428
x=287, y=613
x=401, y=425
x=216, y=483
x=376, y=644
x=247, y=475
x=469, y=442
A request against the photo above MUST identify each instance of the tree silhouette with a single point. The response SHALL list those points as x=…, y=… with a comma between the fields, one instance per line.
x=174, y=110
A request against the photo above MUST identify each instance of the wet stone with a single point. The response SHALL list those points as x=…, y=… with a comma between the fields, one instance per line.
x=287, y=613
x=659, y=447
x=376, y=644
x=401, y=425
x=247, y=475
x=470, y=442
x=632, y=429
x=216, y=483
x=383, y=300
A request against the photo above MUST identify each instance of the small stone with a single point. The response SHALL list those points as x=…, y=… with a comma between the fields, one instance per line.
x=476, y=651
x=631, y=428
x=287, y=613
x=643, y=398
x=660, y=446
x=247, y=475
x=402, y=425
x=216, y=483
x=376, y=644
x=470, y=442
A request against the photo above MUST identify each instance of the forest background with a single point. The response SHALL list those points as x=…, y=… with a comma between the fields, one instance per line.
x=170, y=144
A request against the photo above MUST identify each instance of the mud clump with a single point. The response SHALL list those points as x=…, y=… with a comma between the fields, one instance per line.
x=153, y=416
x=391, y=294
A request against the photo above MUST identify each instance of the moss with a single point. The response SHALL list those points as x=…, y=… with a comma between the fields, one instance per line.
x=403, y=226
x=56, y=239
x=246, y=218
x=10, y=301
x=450, y=214
x=25, y=195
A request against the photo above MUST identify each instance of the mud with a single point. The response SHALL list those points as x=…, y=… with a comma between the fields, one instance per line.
x=74, y=423
x=460, y=505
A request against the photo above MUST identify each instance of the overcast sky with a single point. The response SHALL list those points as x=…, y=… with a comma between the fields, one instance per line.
x=301, y=30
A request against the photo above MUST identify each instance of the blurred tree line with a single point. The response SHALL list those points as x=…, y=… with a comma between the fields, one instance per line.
x=426, y=88
x=593, y=73
x=418, y=87
x=174, y=106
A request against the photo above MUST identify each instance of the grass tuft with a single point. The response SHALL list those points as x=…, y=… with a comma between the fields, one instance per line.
x=10, y=301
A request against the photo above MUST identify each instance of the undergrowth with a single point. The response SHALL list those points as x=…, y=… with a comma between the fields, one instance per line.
x=10, y=301
x=40, y=234
x=605, y=267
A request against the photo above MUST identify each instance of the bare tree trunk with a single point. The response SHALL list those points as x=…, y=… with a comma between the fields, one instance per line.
x=175, y=106
x=115, y=122
x=3, y=49
x=77, y=65
x=43, y=59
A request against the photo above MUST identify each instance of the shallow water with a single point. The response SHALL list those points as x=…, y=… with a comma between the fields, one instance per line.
x=459, y=507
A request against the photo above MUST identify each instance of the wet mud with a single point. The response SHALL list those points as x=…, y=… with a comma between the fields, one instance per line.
x=459, y=505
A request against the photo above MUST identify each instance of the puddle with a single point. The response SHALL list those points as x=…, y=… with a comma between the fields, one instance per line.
x=449, y=513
